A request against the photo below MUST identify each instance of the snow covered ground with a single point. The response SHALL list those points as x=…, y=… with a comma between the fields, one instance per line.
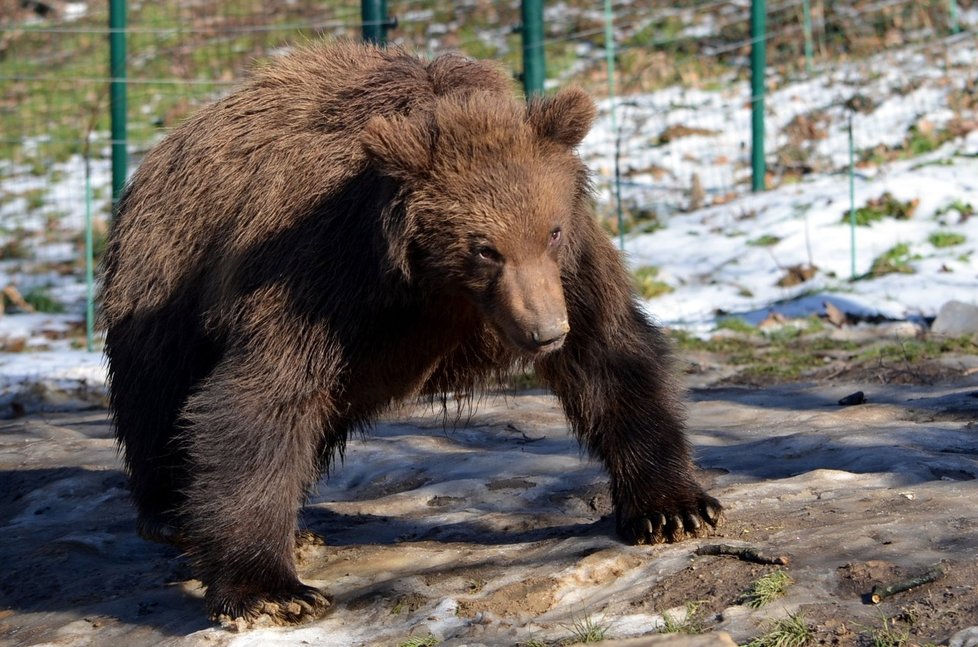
x=706, y=256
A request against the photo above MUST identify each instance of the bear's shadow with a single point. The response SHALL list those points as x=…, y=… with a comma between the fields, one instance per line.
x=69, y=544
x=366, y=529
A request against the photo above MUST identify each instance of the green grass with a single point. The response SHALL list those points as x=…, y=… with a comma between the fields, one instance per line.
x=915, y=350
x=941, y=239
x=738, y=350
x=895, y=260
x=42, y=301
x=918, y=141
x=587, y=631
x=767, y=240
x=660, y=30
x=647, y=283
x=798, y=352
x=35, y=199
x=878, y=209
x=962, y=208
x=792, y=631
x=476, y=46
x=736, y=324
x=792, y=353
x=766, y=589
x=643, y=220
x=690, y=624
x=889, y=635
x=100, y=238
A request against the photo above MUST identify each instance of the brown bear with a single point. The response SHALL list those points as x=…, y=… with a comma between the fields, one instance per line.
x=353, y=227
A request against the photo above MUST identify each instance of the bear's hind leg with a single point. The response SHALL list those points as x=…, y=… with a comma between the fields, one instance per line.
x=153, y=369
x=254, y=445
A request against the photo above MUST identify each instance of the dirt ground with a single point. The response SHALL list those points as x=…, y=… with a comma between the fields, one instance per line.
x=498, y=532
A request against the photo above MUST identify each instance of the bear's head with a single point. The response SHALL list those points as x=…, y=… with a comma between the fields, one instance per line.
x=493, y=192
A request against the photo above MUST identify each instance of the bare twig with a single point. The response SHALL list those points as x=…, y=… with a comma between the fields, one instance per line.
x=746, y=553
x=881, y=592
x=15, y=298
x=526, y=439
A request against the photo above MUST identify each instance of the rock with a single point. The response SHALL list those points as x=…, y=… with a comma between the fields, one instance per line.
x=955, y=319
x=964, y=638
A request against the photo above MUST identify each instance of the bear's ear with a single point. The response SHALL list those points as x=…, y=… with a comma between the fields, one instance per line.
x=400, y=147
x=565, y=117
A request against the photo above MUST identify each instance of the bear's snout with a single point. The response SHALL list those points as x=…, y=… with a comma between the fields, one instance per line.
x=530, y=309
x=550, y=336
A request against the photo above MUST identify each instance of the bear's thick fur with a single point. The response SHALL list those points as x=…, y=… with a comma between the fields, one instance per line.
x=353, y=227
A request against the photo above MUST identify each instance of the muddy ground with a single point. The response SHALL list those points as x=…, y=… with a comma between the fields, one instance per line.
x=498, y=532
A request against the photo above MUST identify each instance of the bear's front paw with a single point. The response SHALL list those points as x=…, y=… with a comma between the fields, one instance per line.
x=239, y=609
x=670, y=521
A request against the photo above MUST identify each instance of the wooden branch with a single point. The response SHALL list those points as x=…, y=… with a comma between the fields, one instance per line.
x=880, y=592
x=746, y=553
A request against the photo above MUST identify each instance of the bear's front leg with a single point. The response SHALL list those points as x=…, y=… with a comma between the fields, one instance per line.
x=254, y=441
x=615, y=380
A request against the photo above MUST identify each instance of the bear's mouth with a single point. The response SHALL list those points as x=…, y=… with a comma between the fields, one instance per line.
x=526, y=343
x=548, y=347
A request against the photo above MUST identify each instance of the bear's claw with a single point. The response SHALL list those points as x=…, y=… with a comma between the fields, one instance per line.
x=673, y=525
x=239, y=610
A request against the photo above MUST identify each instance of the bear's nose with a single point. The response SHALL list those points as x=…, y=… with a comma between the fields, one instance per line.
x=550, y=336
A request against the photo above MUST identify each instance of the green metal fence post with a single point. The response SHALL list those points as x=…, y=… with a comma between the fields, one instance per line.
x=89, y=259
x=534, y=63
x=758, y=63
x=374, y=14
x=953, y=16
x=117, y=96
x=806, y=7
x=609, y=49
x=852, y=203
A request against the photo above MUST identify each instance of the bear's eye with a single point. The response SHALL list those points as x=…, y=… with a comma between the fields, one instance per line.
x=555, y=236
x=487, y=254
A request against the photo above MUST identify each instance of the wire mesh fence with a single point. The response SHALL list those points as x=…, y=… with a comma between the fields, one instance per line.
x=681, y=141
